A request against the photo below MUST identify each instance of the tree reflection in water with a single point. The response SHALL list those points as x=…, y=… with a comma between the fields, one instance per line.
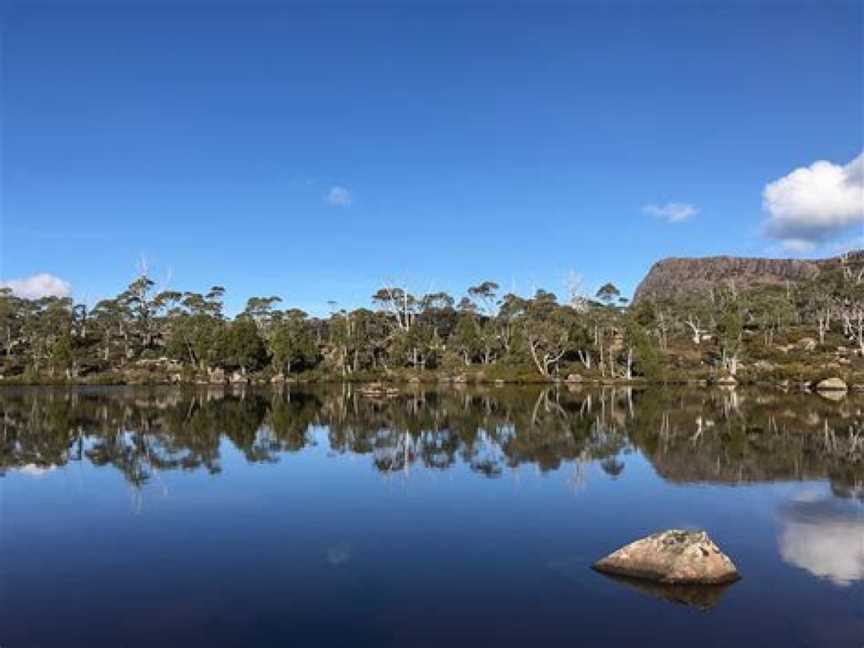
x=689, y=435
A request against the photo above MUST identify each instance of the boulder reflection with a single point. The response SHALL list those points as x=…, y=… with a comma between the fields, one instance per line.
x=687, y=434
x=701, y=597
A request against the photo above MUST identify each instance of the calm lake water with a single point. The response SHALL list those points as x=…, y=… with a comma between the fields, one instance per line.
x=320, y=517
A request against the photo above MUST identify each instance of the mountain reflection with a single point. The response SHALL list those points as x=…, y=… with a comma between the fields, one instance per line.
x=687, y=434
x=825, y=537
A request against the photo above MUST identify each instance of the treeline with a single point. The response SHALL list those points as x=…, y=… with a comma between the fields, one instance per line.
x=712, y=333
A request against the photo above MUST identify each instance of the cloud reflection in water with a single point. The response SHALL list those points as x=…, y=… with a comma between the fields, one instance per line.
x=825, y=537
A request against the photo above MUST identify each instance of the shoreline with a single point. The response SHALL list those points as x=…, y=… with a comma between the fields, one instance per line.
x=382, y=383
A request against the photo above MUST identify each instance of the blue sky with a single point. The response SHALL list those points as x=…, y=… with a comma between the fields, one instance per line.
x=314, y=151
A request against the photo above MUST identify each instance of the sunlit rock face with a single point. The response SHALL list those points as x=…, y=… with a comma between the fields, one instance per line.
x=825, y=537
x=676, y=277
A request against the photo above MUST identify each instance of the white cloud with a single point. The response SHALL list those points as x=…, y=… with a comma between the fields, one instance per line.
x=339, y=197
x=816, y=203
x=671, y=212
x=38, y=285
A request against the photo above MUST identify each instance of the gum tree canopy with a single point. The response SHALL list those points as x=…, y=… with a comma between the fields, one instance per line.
x=714, y=331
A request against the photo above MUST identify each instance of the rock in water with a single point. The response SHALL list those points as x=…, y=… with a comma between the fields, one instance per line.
x=674, y=556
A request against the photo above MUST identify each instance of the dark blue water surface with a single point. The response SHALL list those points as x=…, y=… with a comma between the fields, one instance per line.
x=441, y=517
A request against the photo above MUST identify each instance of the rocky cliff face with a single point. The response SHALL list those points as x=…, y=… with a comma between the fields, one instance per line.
x=676, y=277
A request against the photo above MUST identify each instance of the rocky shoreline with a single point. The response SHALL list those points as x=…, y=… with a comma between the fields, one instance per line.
x=831, y=386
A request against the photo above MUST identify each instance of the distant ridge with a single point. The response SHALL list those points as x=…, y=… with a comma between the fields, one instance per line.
x=677, y=277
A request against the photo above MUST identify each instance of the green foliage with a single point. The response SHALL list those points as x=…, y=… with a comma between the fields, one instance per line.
x=465, y=340
x=144, y=334
x=608, y=293
x=649, y=362
x=61, y=354
x=241, y=347
x=292, y=345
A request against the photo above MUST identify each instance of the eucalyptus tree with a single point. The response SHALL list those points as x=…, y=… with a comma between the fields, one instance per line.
x=581, y=335
x=485, y=295
x=729, y=316
x=603, y=322
x=855, y=309
x=141, y=305
x=510, y=308
x=197, y=329
x=771, y=309
x=260, y=310
x=849, y=290
x=49, y=320
x=111, y=318
x=292, y=342
x=11, y=314
x=416, y=347
x=61, y=356
x=608, y=293
x=358, y=339
x=658, y=317
x=399, y=304
x=344, y=340
x=242, y=345
x=697, y=314
x=79, y=321
x=465, y=340
x=818, y=305
x=548, y=329
x=484, y=298
x=438, y=311
x=640, y=329
x=490, y=343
